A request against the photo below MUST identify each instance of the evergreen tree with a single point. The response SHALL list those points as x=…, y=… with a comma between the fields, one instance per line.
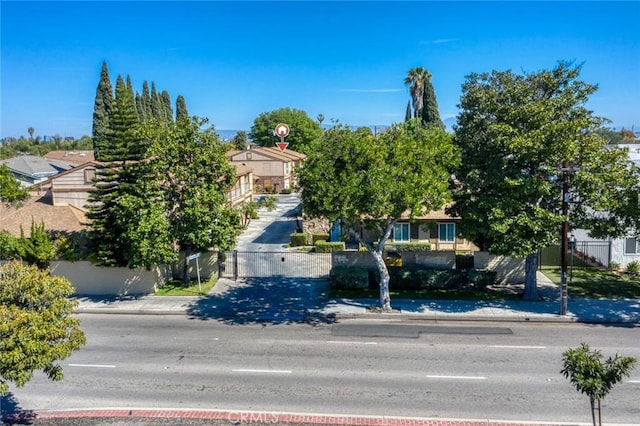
x=430, y=114
x=116, y=176
x=407, y=114
x=146, y=102
x=181, y=108
x=101, y=110
x=167, y=111
x=156, y=103
x=140, y=108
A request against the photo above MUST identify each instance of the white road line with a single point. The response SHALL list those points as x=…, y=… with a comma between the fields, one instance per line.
x=458, y=377
x=345, y=342
x=246, y=370
x=92, y=365
x=517, y=347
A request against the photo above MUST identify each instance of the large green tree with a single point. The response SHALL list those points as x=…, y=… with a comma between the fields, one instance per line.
x=302, y=129
x=188, y=176
x=430, y=114
x=102, y=109
x=357, y=177
x=240, y=140
x=521, y=136
x=181, y=108
x=37, y=325
x=11, y=192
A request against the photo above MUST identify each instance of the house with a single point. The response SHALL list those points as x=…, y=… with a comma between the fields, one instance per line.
x=436, y=228
x=242, y=191
x=72, y=187
x=32, y=169
x=272, y=169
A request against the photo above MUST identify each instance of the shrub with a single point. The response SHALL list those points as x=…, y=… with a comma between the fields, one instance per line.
x=298, y=239
x=319, y=237
x=286, y=191
x=464, y=261
x=481, y=279
x=408, y=247
x=633, y=267
x=614, y=266
x=11, y=248
x=347, y=277
x=326, y=247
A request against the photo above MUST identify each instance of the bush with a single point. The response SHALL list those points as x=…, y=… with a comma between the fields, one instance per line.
x=299, y=239
x=319, y=237
x=286, y=191
x=347, y=277
x=464, y=261
x=11, y=248
x=633, y=267
x=326, y=247
x=422, y=247
x=481, y=279
x=438, y=279
x=614, y=266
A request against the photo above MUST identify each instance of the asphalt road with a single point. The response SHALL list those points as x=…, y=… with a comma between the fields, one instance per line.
x=461, y=370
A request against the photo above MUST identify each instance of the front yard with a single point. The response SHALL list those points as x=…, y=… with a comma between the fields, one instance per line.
x=593, y=283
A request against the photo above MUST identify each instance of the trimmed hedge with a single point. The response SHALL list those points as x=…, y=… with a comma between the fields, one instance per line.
x=436, y=279
x=319, y=237
x=298, y=239
x=422, y=247
x=347, y=277
x=326, y=247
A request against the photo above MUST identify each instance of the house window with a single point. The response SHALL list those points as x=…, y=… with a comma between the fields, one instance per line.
x=248, y=155
x=401, y=232
x=447, y=232
x=631, y=246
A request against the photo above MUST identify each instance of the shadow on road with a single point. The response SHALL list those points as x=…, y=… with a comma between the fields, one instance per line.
x=274, y=300
x=12, y=414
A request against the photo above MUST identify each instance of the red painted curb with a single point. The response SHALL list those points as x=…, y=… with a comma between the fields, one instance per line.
x=247, y=417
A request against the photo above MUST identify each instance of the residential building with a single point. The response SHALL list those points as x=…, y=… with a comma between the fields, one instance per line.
x=273, y=169
x=31, y=169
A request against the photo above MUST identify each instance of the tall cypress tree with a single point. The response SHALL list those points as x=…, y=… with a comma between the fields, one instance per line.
x=116, y=177
x=167, y=111
x=156, y=103
x=181, y=108
x=101, y=110
x=146, y=101
x=430, y=113
x=407, y=114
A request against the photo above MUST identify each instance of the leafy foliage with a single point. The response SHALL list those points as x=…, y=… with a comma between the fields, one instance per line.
x=240, y=140
x=11, y=192
x=37, y=326
x=517, y=133
x=353, y=175
x=302, y=129
x=586, y=371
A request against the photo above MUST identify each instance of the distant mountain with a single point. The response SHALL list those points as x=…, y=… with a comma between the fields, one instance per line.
x=227, y=134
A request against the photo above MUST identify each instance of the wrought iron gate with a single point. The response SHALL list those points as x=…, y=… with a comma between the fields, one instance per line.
x=290, y=264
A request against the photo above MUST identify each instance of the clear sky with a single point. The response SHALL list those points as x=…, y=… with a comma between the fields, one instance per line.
x=347, y=60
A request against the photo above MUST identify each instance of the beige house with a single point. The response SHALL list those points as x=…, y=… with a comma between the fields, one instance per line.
x=70, y=188
x=242, y=191
x=436, y=228
x=272, y=169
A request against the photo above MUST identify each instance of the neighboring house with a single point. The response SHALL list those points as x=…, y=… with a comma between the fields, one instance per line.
x=242, y=191
x=31, y=169
x=436, y=228
x=77, y=157
x=70, y=188
x=272, y=169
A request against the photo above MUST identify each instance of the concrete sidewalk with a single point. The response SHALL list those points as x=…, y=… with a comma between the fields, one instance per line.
x=213, y=304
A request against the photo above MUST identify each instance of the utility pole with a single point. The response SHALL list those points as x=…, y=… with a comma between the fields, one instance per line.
x=564, y=295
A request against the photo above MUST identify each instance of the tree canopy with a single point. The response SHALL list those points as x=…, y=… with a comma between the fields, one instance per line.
x=302, y=129
x=37, y=325
x=519, y=135
x=358, y=177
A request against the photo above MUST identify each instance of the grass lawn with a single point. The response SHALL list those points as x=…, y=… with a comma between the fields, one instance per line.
x=176, y=288
x=594, y=283
x=425, y=294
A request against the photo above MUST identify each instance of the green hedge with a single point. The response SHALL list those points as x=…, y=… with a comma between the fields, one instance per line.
x=346, y=277
x=298, y=239
x=422, y=247
x=319, y=237
x=326, y=247
x=436, y=279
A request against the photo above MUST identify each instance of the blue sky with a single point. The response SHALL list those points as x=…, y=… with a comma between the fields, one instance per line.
x=347, y=60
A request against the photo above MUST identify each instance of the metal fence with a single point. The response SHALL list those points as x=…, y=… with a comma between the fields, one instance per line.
x=587, y=254
x=290, y=264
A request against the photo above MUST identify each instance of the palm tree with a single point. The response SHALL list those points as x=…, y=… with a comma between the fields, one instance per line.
x=31, y=130
x=320, y=119
x=416, y=78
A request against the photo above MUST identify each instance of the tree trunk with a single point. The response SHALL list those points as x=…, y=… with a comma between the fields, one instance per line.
x=530, y=279
x=593, y=410
x=186, y=279
x=599, y=411
x=385, y=299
